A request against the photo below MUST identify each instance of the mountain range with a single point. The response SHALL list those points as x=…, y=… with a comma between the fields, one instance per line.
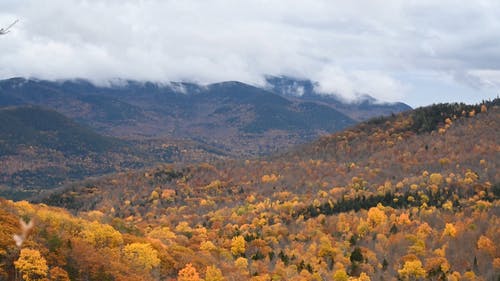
x=55, y=131
x=224, y=114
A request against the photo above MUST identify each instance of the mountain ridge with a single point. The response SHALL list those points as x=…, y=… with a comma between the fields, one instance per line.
x=222, y=114
x=360, y=108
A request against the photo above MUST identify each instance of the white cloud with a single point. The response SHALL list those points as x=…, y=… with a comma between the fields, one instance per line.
x=486, y=78
x=349, y=47
x=354, y=84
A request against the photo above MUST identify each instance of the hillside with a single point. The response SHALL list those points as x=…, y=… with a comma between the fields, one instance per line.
x=413, y=196
x=42, y=149
x=241, y=119
x=27, y=126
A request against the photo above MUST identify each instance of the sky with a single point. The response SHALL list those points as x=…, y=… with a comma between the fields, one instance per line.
x=419, y=52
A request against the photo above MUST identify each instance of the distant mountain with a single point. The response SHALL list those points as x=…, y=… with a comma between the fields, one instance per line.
x=270, y=111
x=41, y=148
x=232, y=116
x=48, y=129
x=364, y=108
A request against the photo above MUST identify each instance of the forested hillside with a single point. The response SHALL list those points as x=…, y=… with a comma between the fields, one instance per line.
x=42, y=149
x=414, y=196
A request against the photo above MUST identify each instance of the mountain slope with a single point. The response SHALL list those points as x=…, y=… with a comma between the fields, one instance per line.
x=382, y=149
x=27, y=126
x=377, y=199
x=273, y=112
x=43, y=149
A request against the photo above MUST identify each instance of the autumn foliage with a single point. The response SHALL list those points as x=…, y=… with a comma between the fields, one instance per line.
x=385, y=200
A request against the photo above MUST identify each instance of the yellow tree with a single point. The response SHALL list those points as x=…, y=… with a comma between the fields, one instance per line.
x=213, y=274
x=412, y=270
x=141, y=256
x=485, y=244
x=469, y=276
x=184, y=228
x=238, y=245
x=437, y=267
x=241, y=264
x=376, y=216
x=362, y=277
x=455, y=276
x=207, y=246
x=340, y=275
x=436, y=178
x=449, y=230
x=188, y=273
x=102, y=235
x=31, y=265
x=162, y=233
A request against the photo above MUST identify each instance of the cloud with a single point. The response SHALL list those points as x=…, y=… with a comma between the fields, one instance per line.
x=485, y=78
x=354, y=84
x=350, y=48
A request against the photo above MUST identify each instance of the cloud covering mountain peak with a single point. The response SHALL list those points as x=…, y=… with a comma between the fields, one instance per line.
x=387, y=49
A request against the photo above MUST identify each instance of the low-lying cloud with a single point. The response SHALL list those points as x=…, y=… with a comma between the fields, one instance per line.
x=351, y=48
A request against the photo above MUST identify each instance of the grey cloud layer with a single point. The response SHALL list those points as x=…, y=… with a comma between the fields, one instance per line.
x=350, y=47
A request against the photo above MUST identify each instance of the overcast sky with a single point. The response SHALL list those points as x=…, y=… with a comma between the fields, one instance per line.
x=419, y=52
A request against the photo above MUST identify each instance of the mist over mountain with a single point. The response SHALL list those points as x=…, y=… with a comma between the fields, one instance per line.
x=226, y=114
x=361, y=108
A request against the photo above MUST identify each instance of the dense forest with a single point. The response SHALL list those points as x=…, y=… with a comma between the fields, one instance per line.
x=412, y=196
x=43, y=149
